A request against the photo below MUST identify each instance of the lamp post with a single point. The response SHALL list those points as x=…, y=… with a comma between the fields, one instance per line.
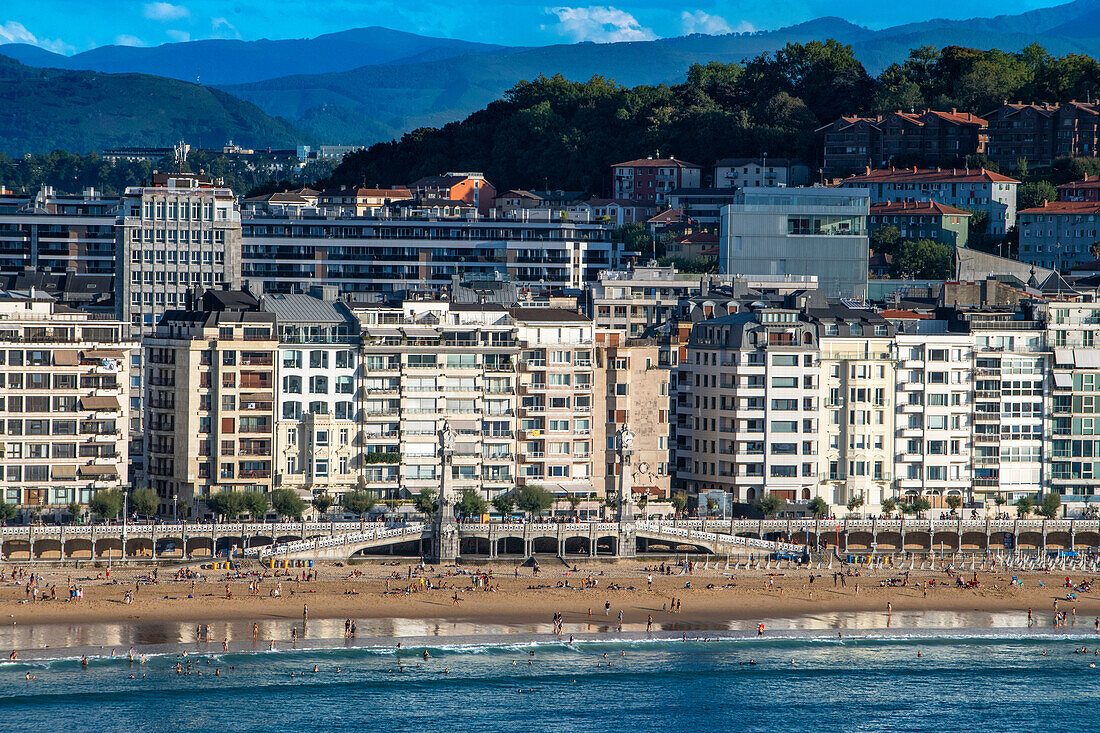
x=175, y=507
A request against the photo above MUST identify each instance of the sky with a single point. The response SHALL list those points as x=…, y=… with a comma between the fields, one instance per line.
x=71, y=26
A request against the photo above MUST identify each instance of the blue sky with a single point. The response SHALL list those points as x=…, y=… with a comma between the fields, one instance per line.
x=69, y=26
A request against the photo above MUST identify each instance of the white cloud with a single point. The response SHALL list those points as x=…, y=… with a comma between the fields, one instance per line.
x=165, y=11
x=125, y=40
x=179, y=36
x=15, y=32
x=600, y=24
x=222, y=28
x=711, y=25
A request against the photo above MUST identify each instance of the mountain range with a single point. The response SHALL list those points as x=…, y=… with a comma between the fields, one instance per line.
x=370, y=84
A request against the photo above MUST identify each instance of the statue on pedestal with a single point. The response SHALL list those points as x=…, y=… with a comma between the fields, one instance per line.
x=625, y=498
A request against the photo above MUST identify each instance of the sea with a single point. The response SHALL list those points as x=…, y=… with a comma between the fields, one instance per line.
x=839, y=672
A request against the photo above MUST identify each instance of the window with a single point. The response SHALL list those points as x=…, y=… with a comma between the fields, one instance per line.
x=292, y=384
x=320, y=467
x=318, y=384
x=318, y=359
x=785, y=382
x=320, y=437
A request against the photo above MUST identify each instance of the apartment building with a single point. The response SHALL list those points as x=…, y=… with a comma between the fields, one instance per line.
x=1059, y=234
x=974, y=189
x=64, y=400
x=799, y=232
x=857, y=377
x=854, y=142
x=651, y=180
x=317, y=372
x=469, y=187
x=1041, y=132
x=58, y=232
x=760, y=172
x=748, y=408
x=555, y=380
x=1087, y=189
x=210, y=396
x=633, y=387
x=922, y=220
x=422, y=255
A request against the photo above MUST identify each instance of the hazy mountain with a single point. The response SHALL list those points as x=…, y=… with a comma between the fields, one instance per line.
x=47, y=109
x=231, y=62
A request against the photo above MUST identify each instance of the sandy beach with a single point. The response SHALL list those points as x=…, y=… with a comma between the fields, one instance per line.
x=713, y=598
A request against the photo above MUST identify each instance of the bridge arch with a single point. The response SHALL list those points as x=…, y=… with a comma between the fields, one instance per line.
x=1058, y=540
x=510, y=545
x=544, y=545
x=948, y=540
x=473, y=546
x=1030, y=539
x=78, y=546
x=577, y=545
x=975, y=540
x=47, y=546
x=607, y=545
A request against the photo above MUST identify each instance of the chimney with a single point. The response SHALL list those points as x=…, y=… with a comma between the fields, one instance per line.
x=954, y=110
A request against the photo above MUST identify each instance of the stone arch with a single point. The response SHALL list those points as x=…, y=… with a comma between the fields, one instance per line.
x=1030, y=539
x=473, y=546
x=1087, y=539
x=891, y=540
x=948, y=540
x=510, y=546
x=544, y=545
x=196, y=545
x=916, y=541
x=282, y=539
x=14, y=547
x=607, y=545
x=860, y=540
x=577, y=545
x=108, y=547
x=78, y=546
x=750, y=495
x=1058, y=539
x=139, y=547
x=45, y=546
x=975, y=540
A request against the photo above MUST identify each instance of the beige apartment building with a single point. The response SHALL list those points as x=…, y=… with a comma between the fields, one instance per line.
x=64, y=401
x=632, y=388
x=211, y=390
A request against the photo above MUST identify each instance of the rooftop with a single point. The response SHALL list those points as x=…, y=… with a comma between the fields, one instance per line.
x=926, y=175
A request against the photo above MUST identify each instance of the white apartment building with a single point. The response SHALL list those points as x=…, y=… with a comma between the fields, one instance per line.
x=934, y=390
x=179, y=234
x=799, y=231
x=857, y=370
x=748, y=407
x=56, y=232
x=760, y=172
x=972, y=189
x=64, y=402
x=318, y=394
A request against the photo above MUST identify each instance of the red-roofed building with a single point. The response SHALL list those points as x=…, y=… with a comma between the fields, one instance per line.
x=619, y=211
x=1059, y=234
x=1087, y=189
x=470, y=188
x=854, y=142
x=1039, y=133
x=922, y=220
x=650, y=180
x=974, y=189
x=697, y=245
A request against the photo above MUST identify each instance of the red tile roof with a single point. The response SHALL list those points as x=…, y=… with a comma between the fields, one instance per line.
x=916, y=207
x=904, y=314
x=668, y=215
x=656, y=162
x=927, y=175
x=1064, y=207
x=1086, y=182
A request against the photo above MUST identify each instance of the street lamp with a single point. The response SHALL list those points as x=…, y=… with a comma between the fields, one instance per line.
x=175, y=507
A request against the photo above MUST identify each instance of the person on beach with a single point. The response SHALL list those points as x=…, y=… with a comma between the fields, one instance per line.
x=649, y=624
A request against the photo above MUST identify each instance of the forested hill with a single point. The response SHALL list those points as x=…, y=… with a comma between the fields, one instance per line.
x=555, y=133
x=47, y=109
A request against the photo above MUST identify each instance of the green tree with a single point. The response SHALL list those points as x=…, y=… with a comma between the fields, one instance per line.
x=1050, y=505
x=574, y=502
x=534, y=499
x=635, y=238
x=425, y=502
x=953, y=502
x=679, y=502
x=885, y=238
x=770, y=504
x=228, y=504
x=920, y=505
x=471, y=504
x=7, y=511
x=818, y=506
x=75, y=508
x=256, y=503
x=1030, y=195
x=1000, y=500
x=106, y=503
x=1024, y=506
x=922, y=260
x=358, y=502
x=503, y=504
x=889, y=506
x=144, y=501
x=855, y=502
x=287, y=503
x=322, y=503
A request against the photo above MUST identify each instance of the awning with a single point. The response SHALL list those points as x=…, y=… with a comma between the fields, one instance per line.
x=380, y=332
x=1063, y=380
x=61, y=472
x=104, y=354
x=465, y=426
x=1086, y=358
x=420, y=332
x=98, y=403
x=66, y=357
x=99, y=470
x=1063, y=357
x=255, y=397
